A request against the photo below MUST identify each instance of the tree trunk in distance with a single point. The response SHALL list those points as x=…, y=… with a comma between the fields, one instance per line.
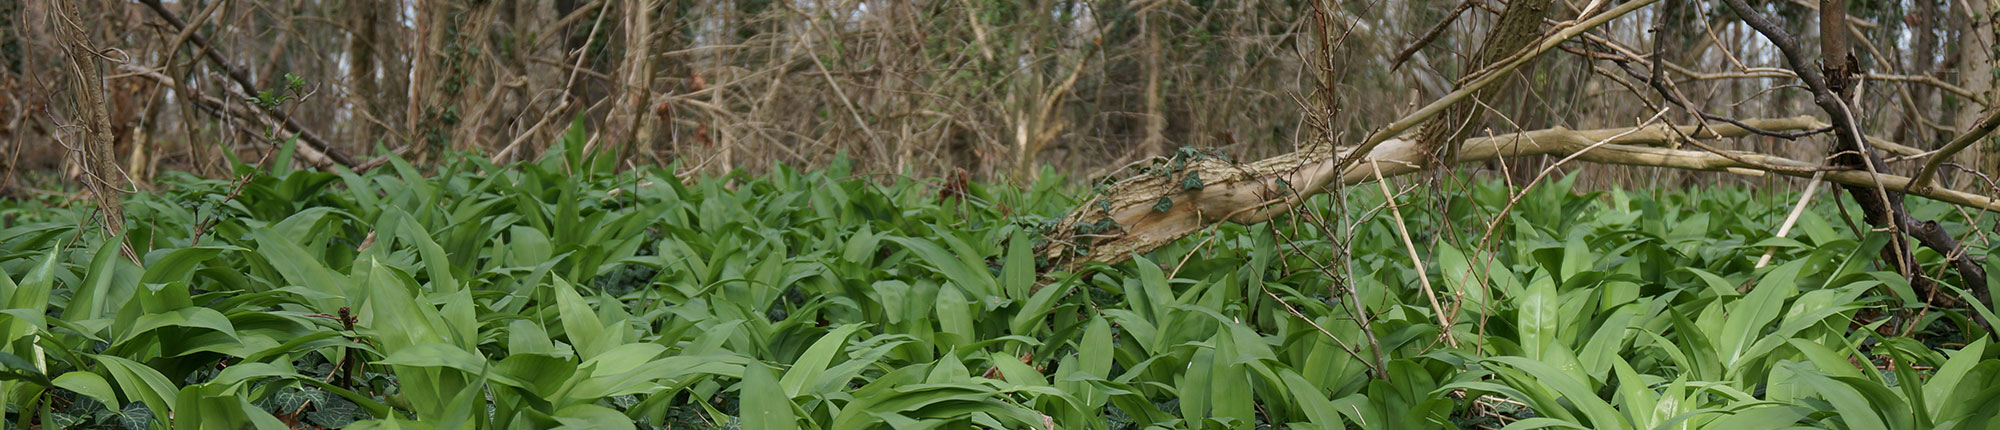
x=1975, y=73
x=1519, y=26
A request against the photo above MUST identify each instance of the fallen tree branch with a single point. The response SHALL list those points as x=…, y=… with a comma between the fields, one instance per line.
x=1262, y=190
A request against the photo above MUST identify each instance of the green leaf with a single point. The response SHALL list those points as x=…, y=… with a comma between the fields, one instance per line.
x=437, y=355
x=1950, y=375
x=590, y=416
x=90, y=385
x=1568, y=386
x=815, y=360
x=1854, y=409
x=90, y=300
x=203, y=318
x=1028, y=319
x=1017, y=276
x=1311, y=400
x=138, y=381
x=1538, y=320
x=580, y=324
x=954, y=317
x=1749, y=316
x=1192, y=181
x=954, y=268
x=765, y=405
x=302, y=269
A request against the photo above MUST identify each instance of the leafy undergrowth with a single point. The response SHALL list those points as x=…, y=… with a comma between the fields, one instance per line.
x=547, y=295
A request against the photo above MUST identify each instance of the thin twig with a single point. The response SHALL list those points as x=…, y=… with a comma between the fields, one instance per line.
x=1431, y=35
x=1985, y=126
x=1793, y=218
x=1417, y=260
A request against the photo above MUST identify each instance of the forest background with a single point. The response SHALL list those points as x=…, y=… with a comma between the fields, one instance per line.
x=923, y=88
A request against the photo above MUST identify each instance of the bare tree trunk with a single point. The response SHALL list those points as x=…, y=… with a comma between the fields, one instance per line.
x=447, y=92
x=423, y=73
x=100, y=173
x=1519, y=26
x=634, y=77
x=1976, y=41
x=1923, y=21
x=1039, y=120
x=362, y=20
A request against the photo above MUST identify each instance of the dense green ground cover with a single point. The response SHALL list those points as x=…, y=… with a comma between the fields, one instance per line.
x=547, y=295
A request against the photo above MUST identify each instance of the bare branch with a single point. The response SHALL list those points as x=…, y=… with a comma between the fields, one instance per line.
x=1978, y=131
x=1880, y=206
x=1431, y=35
x=306, y=136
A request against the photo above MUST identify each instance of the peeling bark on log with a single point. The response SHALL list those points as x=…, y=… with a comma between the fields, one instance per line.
x=1259, y=191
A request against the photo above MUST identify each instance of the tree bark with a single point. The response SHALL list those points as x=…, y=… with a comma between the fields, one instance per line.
x=1921, y=62
x=362, y=19
x=449, y=89
x=423, y=74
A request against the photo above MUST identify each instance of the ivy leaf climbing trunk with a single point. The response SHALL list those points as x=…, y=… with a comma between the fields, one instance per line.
x=450, y=89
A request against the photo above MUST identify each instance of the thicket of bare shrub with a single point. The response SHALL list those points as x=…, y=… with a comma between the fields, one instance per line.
x=925, y=87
